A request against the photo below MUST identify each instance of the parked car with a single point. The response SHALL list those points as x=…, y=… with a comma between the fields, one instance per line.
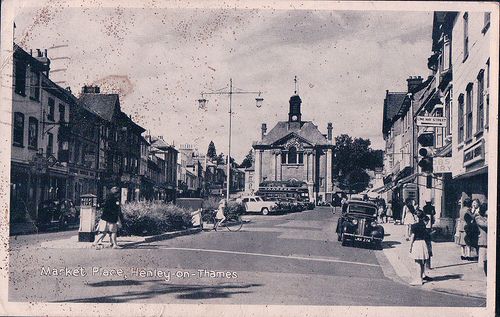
x=359, y=223
x=257, y=204
x=56, y=213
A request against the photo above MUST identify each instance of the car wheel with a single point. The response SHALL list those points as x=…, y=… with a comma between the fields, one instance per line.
x=378, y=245
x=265, y=211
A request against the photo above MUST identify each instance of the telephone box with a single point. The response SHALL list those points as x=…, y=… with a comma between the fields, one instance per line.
x=88, y=207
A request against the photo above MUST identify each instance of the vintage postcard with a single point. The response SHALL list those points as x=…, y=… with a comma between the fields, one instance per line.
x=248, y=158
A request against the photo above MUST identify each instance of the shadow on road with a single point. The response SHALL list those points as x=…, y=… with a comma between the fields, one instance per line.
x=389, y=244
x=446, y=277
x=191, y=292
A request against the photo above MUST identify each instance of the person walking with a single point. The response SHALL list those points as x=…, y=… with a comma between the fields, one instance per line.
x=388, y=212
x=408, y=216
x=418, y=249
x=465, y=209
x=430, y=212
x=110, y=219
x=397, y=206
x=482, y=223
x=471, y=231
x=344, y=204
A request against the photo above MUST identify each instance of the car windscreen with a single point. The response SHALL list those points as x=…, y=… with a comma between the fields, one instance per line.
x=362, y=209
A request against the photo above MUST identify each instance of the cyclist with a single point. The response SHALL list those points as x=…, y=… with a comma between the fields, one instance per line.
x=219, y=216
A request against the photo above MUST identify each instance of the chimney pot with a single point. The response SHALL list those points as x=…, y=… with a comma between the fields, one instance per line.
x=264, y=130
x=414, y=82
x=329, y=128
x=46, y=53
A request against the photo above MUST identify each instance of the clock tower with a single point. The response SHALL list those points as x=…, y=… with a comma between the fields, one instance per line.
x=294, y=114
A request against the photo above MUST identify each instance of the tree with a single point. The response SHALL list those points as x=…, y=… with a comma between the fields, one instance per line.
x=211, y=152
x=220, y=159
x=352, y=158
x=247, y=161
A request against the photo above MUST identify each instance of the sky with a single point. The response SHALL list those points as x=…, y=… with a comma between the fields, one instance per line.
x=160, y=60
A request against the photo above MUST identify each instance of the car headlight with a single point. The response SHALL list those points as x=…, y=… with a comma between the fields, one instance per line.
x=374, y=224
x=354, y=221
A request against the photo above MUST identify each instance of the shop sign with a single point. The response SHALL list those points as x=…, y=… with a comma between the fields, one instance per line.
x=437, y=122
x=442, y=165
x=474, y=153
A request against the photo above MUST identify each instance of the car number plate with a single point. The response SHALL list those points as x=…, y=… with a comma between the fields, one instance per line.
x=362, y=239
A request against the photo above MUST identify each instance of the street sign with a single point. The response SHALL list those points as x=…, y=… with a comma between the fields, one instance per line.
x=442, y=165
x=51, y=160
x=437, y=122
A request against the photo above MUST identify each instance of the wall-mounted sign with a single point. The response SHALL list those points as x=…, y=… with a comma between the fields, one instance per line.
x=437, y=122
x=474, y=154
x=442, y=165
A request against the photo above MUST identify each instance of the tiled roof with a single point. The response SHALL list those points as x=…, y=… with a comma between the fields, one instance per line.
x=101, y=104
x=392, y=104
x=307, y=131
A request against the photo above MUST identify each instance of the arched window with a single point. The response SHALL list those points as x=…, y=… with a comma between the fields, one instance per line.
x=292, y=155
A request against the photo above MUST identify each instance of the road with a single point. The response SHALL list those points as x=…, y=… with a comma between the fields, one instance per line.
x=283, y=259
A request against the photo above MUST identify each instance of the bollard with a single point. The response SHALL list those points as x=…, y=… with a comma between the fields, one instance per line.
x=88, y=206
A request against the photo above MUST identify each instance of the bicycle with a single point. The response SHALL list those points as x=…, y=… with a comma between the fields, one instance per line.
x=233, y=222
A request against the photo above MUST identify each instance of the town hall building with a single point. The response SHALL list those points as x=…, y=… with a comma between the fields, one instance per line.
x=295, y=150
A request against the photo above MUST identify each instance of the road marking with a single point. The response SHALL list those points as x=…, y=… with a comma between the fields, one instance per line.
x=271, y=256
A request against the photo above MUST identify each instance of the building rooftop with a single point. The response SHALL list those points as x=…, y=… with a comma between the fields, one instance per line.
x=308, y=131
x=392, y=103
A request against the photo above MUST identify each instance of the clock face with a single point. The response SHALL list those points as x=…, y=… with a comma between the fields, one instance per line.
x=294, y=118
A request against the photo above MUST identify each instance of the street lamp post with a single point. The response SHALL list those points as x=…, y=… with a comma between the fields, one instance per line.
x=202, y=103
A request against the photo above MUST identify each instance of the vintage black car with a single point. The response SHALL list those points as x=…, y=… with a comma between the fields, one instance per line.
x=56, y=213
x=359, y=223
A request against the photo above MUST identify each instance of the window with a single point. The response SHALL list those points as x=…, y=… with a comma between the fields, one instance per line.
x=50, y=144
x=50, y=114
x=283, y=158
x=62, y=113
x=18, y=134
x=480, y=101
x=487, y=93
x=487, y=17
x=20, y=74
x=466, y=35
x=461, y=118
x=448, y=108
x=292, y=155
x=446, y=55
x=301, y=158
x=33, y=133
x=76, y=153
x=468, y=112
x=34, y=85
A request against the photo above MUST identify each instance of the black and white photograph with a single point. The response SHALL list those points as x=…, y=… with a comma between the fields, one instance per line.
x=249, y=158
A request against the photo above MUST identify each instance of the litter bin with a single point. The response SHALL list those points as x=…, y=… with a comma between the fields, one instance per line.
x=88, y=207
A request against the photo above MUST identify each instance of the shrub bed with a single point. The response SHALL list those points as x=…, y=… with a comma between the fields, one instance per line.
x=149, y=218
x=233, y=207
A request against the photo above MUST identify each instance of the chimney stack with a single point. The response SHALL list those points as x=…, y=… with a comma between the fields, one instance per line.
x=329, y=128
x=264, y=130
x=413, y=83
x=91, y=89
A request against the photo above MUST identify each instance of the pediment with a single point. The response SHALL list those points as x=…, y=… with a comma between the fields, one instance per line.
x=292, y=139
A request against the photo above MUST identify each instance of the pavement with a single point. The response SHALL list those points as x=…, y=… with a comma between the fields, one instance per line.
x=124, y=241
x=292, y=259
x=449, y=274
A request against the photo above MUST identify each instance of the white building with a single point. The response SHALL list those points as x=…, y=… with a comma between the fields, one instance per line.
x=471, y=52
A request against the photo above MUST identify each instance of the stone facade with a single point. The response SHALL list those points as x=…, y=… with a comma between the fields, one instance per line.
x=295, y=150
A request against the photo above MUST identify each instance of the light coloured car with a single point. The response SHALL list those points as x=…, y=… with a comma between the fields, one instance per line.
x=257, y=204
